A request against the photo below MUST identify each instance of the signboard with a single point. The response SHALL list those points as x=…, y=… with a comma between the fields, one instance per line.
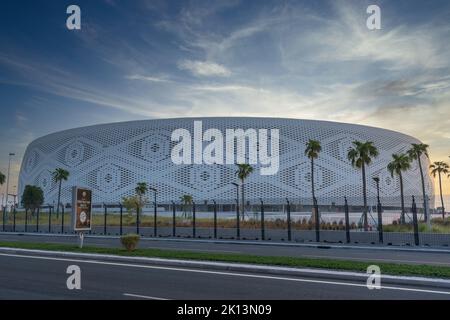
x=82, y=208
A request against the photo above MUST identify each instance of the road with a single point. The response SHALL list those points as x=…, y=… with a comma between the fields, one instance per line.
x=30, y=276
x=385, y=254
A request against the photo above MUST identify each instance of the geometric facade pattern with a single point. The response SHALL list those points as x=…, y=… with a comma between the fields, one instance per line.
x=111, y=158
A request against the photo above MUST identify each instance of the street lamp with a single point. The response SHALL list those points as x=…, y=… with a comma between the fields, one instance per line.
x=7, y=181
x=238, y=231
x=377, y=181
x=154, y=211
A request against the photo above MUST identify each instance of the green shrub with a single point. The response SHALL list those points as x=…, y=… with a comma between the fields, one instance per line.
x=130, y=241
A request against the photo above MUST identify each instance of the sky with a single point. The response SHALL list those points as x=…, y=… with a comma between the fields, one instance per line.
x=149, y=59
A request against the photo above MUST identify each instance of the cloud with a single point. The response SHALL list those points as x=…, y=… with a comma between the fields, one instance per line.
x=204, y=68
x=147, y=78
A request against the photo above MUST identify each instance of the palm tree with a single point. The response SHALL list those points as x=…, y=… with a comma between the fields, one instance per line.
x=141, y=189
x=440, y=167
x=2, y=178
x=400, y=163
x=58, y=176
x=415, y=153
x=186, y=199
x=312, y=151
x=361, y=156
x=244, y=170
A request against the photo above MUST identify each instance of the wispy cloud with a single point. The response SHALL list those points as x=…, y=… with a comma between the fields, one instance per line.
x=204, y=68
x=147, y=78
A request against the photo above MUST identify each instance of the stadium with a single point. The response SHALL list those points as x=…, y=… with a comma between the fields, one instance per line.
x=112, y=158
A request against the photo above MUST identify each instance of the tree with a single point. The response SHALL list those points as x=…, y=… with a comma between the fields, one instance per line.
x=186, y=200
x=400, y=163
x=58, y=176
x=243, y=172
x=32, y=198
x=2, y=178
x=440, y=167
x=415, y=153
x=312, y=151
x=141, y=189
x=361, y=156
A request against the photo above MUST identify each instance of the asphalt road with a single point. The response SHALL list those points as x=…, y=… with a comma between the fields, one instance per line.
x=391, y=254
x=26, y=276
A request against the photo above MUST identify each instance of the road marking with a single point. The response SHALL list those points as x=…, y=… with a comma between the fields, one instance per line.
x=143, y=297
x=233, y=274
x=375, y=259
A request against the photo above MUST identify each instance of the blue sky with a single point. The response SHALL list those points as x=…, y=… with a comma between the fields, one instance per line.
x=151, y=59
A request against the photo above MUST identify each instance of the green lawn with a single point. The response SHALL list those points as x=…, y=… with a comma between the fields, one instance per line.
x=335, y=264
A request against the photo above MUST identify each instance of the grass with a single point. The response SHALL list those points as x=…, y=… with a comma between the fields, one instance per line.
x=438, y=225
x=322, y=263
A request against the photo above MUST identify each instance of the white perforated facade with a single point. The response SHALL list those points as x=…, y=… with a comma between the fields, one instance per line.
x=111, y=158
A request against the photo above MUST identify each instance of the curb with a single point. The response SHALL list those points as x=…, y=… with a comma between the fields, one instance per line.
x=248, y=242
x=239, y=267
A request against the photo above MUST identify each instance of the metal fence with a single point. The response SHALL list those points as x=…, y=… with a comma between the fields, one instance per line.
x=337, y=221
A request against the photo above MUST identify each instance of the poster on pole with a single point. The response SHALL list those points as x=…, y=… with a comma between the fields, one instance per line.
x=82, y=208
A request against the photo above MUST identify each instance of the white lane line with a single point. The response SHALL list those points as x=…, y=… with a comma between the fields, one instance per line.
x=233, y=274
x=143, y=297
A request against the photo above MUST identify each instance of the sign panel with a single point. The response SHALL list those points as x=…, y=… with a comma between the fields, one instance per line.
x=82, y=208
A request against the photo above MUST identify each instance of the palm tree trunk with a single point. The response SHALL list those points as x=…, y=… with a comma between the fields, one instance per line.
x=402, y=216
x=59, y=199
x=442, y=199
x=366, y=225
x=312, y=178
x=425, y=210
x=243, y=199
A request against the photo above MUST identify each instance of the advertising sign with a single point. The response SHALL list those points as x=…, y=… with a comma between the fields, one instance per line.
x=82, y=207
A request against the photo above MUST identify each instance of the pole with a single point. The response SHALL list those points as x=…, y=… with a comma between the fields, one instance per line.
x=238, y=226
x=316, y=217
x=121, y=215
x=173, y=219
x=347, y=221
x=263, y=230
x=215, y=219
x=137, y=220
x=62, y=218
x=7, y=179
x=155, y=227
x=37, y=219
x=193, y=219
x=14, y=216
x=380, y=220
x=81, y=236
x=26, y=220
x=4, y=216
x=416, y=226
x=289, y=219
x=49, y=219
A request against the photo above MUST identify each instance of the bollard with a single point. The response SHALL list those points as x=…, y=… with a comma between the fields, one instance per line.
x=26, y=220
x=215, y=219
x=380, y=221
x=155, y=226
x=121, y=216
x=193, y=219
x=173, y=219
x=288, y=208
x=347, y=221
x=105, y=208
x=416, y=226
x=316, y=216
x=238, y=226
x=263, y=230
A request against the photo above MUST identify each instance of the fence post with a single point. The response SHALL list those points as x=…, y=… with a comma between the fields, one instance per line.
x=288, y=219
x=316, y=217
x=173, y=219
x=347, y=221
x=121, y=216
x=37, y=219
x=215, y=219
x=4, y=216
x=49, y=219
x=155, y=227
x=238, y=226
x=26, y=220
x=105, y=208
x=380, y=221
x=14, y=215
x=193, y=219
x=263, y=230
x=416, y=226
x=62, y=218
x=137, y=220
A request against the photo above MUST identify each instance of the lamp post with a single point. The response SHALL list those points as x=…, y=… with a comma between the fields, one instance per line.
x=379, y=210
x=7, y=179
x=154, y=212
x=377, y=181
x=238, y=231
